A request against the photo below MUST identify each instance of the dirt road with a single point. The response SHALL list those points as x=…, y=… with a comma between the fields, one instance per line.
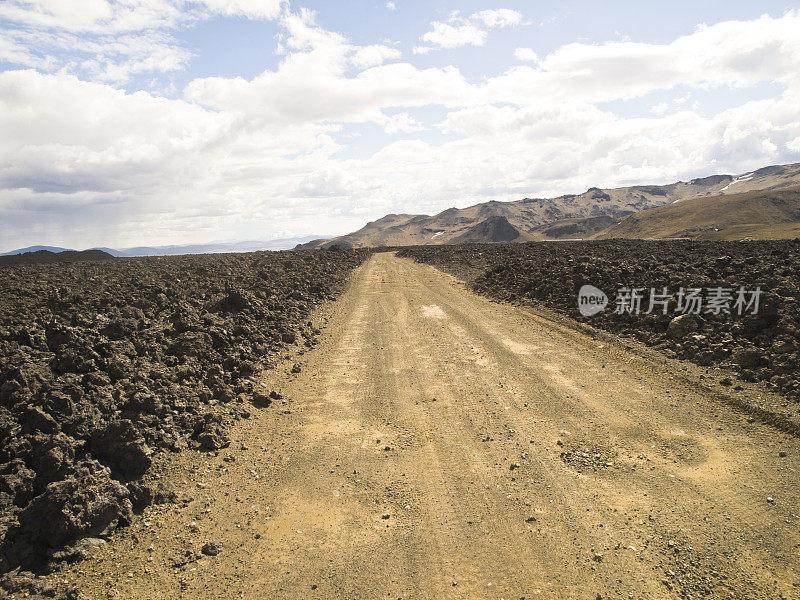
x=439, y=445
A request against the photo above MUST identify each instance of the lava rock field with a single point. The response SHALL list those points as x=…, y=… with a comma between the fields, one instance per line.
x=105, y=364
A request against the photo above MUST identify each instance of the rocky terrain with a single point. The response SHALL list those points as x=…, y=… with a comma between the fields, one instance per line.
x=762, y=347
x=572, y=216
x=105, y=364
x=47, y=256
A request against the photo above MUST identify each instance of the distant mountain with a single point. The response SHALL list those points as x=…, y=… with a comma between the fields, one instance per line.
x=46, y=256
x=34, y=249
x=573, y=216
x=250, y=246
x=213, y=248
x=773, y=214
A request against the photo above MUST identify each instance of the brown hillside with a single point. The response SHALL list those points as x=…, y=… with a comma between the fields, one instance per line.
x=751, y=215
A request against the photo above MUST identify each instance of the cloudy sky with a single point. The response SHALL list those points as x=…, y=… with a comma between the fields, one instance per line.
x=131, y=122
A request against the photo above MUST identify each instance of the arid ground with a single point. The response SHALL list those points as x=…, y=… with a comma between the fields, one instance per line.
x=437, y=444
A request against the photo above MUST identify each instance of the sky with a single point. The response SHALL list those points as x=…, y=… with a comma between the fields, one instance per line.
x=150, y=122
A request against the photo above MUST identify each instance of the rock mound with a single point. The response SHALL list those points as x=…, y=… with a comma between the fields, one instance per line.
x=492, y=230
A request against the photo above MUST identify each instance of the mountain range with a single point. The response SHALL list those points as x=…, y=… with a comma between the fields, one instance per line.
x=695, y=209
x=249, y=246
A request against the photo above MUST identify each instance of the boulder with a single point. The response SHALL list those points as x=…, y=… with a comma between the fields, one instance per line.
x=681, y=326
x=121, y=446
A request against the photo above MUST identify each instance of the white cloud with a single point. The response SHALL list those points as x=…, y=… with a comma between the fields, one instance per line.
x=453, y=35
x=459, y=31
x=501, y=17
x=734, y=53
x=329, y=182
x=391, y=6
x=312, y=83
x=110, y=40
x=82, y=136
x=92, y=16
x=401, y=123
x=113, y=16
x=660, y=108
x=526, y=54
x=14, y=52
x=253, y=9
x=104, y=58
x=371, y=56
